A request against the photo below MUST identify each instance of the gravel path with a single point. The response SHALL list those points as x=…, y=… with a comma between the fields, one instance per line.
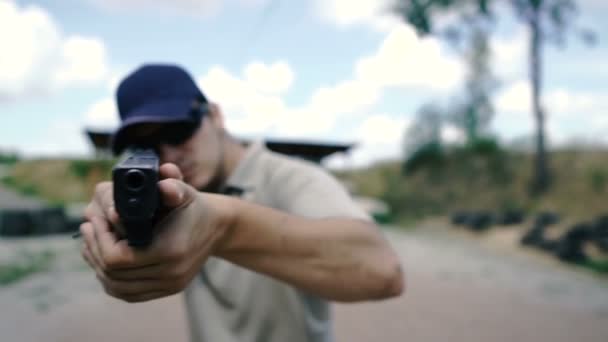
x=457, y=291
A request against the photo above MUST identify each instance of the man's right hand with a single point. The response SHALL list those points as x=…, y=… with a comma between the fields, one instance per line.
x=187, y=235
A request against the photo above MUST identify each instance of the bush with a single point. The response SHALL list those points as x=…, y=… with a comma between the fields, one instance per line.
x=10, y=158
x=81, y=168
x=23, y=188
x=598, y=179
x=485, y=146
x=427, y=156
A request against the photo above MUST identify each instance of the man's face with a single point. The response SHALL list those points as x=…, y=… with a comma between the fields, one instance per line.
x=197, y=152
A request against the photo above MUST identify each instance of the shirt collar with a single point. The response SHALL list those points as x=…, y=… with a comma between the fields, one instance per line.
x=242, y=177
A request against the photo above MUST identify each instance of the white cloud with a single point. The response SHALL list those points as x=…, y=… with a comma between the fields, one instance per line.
x=204, y=8
x=451, y=134
x=344, y=98
x=66, y=137
x=568, y=103
x=509, y=56
x=37, y=59
x=254, y=107
x=191, y=7
x=248, y=109
x=597, y=4
x=102, y=115
x=345, y=13
x=63, y=138
x=404, y=59
x=515, y=98
x=571, y=115
x=380, y=136
x=382, y=129
x=274, y=78
x=83, y=61
x=559, y=102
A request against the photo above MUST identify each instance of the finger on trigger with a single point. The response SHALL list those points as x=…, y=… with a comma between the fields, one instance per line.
x=170, y=170
x=116, y=223
x=104, y=237
x=88, y=233
x=86, y=255
x=173, y=195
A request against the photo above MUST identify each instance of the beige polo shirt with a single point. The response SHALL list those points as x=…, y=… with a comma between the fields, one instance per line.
x=228, y=303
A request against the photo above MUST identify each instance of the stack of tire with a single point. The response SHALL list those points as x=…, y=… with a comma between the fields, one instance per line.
x=570, y=246
x=482, y=220
x=35, y=221
x=536, y=236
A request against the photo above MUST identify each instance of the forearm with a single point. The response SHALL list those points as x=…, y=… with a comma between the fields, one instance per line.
x=335, y=258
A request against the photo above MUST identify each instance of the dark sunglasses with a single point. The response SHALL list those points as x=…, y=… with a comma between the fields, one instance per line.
x=172, y=134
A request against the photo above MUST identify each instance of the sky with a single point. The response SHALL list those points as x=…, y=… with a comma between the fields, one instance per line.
x=340, y=71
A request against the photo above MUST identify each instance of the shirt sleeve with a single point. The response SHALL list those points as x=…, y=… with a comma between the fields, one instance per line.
x=307, y=190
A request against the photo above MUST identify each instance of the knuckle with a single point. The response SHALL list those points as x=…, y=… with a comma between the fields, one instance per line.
x=175, y=253
x=177, y=271
x=113, y=262
x=100, y=188
x=90, y=211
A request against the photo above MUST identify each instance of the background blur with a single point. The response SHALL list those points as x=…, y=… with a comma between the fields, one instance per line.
x=474, y=131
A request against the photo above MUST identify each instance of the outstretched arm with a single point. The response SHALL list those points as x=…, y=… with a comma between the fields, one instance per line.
x=336, y=258
x=340, y=259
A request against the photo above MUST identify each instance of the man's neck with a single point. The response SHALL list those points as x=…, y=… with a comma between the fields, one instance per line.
x=233, y=154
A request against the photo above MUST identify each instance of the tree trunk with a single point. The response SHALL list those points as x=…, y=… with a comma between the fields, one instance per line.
x=541, y=178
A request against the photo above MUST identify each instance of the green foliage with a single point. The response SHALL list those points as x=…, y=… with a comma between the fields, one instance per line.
x=486, y=146
x=429, y=156
x=599, y=266
x=598, y=179
x=9, y=159
x=485, y=177
x=9, y=181
x=81, y=168
x=24, y=188
x=27, y=264
x=547, y=20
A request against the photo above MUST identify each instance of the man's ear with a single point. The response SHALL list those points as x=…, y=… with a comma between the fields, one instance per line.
x=216, y=115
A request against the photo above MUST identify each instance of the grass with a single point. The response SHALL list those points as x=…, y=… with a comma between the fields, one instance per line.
x=471, y=182
x=599, y=266
x=27, y=264
x=58, y=181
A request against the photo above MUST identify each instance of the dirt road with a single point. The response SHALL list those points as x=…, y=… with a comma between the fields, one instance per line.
x=457, y=291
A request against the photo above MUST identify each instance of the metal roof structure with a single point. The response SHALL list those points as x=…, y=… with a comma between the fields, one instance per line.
x=314, y=151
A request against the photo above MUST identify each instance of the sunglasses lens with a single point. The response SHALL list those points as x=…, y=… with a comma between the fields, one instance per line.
x=177, y=134
x=171, y=134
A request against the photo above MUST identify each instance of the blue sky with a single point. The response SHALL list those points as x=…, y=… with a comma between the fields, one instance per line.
x=331, y=70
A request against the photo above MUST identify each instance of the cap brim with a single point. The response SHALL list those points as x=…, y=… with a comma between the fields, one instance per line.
x=166, y=111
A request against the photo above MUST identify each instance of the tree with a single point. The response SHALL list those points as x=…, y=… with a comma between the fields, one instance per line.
x=422, y=141
x=546, y=21
x=474, y=112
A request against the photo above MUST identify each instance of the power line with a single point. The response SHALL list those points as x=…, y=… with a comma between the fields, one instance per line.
x=249, y=43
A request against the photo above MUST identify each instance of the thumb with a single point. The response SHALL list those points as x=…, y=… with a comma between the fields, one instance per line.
x=175, y=193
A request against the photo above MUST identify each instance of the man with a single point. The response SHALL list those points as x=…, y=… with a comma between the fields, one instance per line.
x=258, y=241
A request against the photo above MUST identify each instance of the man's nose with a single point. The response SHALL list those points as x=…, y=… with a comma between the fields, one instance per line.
x=168, y=153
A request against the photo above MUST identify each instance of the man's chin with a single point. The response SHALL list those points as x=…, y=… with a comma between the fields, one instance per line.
x=214, y=185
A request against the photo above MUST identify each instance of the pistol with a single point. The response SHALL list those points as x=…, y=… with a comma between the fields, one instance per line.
x=136, y=194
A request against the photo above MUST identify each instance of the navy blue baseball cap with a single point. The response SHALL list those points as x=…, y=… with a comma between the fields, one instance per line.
x=157, y=93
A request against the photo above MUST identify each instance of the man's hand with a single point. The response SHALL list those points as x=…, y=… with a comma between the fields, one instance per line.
x=185, y=237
